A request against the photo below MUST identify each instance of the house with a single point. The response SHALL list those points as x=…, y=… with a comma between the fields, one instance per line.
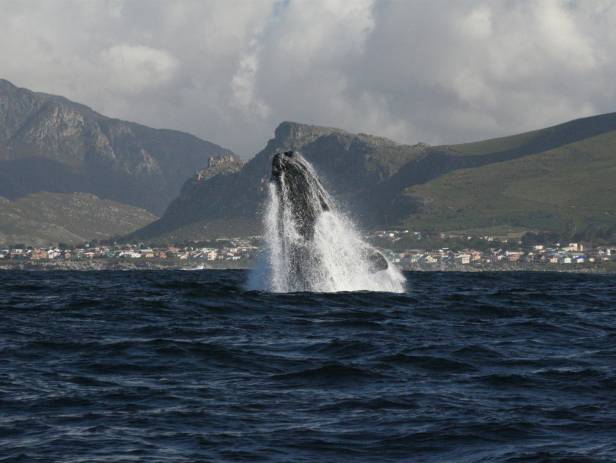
x=38, y=254
x=17, y=253
x=574, y=247
x=513, y=256
x=54, y=253
x=131, y=254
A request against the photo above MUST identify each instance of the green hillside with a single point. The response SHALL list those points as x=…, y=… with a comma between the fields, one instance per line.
x=566, y=189
x=540, y=140
x=50, y=218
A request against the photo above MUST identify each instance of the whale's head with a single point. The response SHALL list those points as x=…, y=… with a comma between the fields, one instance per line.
x=291, y=165
x=293, y=173
x=301, y=193
x=300, y=188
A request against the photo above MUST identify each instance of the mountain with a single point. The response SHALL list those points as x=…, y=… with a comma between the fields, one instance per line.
x=49, y=143
x=231, y=203
x=569, y=189
x=554, y=179
x=72, y=218
x=407, y=199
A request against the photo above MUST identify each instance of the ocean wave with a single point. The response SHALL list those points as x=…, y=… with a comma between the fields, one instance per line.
x=190, y=366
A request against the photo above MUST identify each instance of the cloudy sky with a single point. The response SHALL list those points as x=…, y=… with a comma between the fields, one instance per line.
x=230, y=71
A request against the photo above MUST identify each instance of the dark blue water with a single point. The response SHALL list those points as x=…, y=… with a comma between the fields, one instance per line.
x=187, y=366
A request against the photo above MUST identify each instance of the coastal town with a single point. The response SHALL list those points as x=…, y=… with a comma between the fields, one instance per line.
x=484, y=252
x=410, y=250
x=223, y=253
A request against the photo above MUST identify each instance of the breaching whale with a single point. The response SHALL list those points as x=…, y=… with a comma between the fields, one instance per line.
x=309, y=245
x=304, y=199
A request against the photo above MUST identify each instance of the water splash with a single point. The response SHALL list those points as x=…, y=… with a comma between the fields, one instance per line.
x=310, y=245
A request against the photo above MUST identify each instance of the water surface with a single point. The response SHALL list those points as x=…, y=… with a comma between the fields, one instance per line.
x=187, y=366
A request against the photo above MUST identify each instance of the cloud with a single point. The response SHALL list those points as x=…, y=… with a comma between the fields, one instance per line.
x=136, y=67
x=433, y=71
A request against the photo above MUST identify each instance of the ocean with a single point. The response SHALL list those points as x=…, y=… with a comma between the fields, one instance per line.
x=185, y=366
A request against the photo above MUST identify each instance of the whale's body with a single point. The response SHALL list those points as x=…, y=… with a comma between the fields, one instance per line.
x=300, y=190
x=303, y=199
x=309, y=245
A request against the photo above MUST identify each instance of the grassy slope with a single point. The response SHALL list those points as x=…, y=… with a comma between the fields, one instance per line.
x=542, y=139
x=495, y=145
x=566, y=188
x=48, y=218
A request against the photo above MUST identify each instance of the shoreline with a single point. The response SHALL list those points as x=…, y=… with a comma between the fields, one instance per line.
x=121, y=264
x=192, y=265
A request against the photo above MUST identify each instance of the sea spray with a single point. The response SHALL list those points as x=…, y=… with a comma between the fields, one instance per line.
x=332, y=257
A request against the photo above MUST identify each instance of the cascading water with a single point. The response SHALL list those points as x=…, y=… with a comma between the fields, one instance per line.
x=309, y=244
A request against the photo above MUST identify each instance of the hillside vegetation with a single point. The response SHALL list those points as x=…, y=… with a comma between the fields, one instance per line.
x=71, y=218
x=569, y=188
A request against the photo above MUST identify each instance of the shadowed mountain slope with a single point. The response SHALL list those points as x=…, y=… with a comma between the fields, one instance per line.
x=49, y=143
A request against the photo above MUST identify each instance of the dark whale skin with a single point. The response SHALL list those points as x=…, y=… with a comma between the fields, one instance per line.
x=288, y=167
x=299, y=182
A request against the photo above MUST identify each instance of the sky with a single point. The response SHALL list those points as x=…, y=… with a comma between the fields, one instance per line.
x=230, y=71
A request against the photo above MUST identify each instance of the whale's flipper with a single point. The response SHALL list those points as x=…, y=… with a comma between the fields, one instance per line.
x=376, y=260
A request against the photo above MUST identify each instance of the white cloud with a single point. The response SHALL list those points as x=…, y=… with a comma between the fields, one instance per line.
x=434, y=71
x=477, y=23
x=134, y=68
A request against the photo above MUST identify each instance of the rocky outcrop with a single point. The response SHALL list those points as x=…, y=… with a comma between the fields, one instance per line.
x=49, y=143
x=225, y=164
x=218, y=165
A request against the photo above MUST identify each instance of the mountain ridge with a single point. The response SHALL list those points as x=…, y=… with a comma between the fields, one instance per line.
x=377, y=180
x=51, y=143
